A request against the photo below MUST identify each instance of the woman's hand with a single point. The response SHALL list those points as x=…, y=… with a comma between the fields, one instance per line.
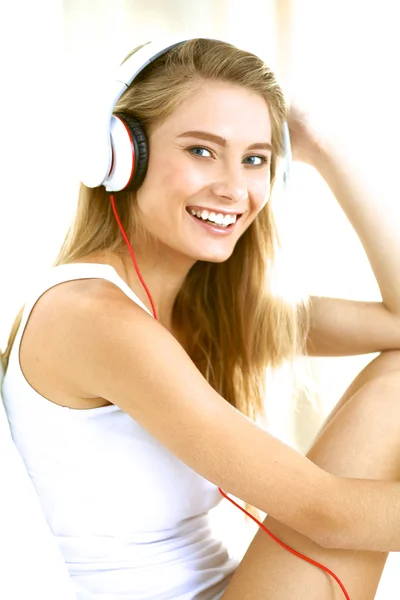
x=307, y=144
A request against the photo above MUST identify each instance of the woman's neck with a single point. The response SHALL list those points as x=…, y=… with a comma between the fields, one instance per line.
x=162, y=274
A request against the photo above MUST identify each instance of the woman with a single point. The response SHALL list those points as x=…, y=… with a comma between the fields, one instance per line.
x=128, y=425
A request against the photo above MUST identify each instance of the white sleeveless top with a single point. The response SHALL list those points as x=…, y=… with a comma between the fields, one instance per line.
x=130, y=518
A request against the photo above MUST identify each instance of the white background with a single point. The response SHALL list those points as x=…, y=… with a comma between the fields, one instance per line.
x=339, y=57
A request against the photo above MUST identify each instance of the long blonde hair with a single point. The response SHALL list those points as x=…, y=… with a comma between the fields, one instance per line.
x=237, y=325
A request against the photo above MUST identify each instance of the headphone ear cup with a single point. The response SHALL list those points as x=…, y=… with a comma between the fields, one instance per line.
x=130, y=153
x=141, y=149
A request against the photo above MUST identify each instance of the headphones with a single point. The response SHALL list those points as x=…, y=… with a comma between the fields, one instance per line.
x=116, y=155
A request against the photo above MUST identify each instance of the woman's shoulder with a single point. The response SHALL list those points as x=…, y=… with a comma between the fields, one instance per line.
x=87, y=280
x=68, y=319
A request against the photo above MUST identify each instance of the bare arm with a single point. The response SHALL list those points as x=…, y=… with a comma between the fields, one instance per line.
x=347, y=327
x=108, y=347
x=343, y=327
x=372, y=216
x=369, y=210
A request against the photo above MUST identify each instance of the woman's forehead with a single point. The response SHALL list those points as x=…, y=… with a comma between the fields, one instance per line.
x=223, y=108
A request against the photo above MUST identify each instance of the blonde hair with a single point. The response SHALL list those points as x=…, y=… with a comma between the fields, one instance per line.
x=236, y=323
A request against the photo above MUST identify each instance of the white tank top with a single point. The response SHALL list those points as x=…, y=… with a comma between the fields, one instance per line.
x=130, y=518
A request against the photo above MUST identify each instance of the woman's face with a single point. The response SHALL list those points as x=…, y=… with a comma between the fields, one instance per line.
x=209, y=172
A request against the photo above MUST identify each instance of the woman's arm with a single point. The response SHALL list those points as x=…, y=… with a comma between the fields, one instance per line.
x=106, y=346
x=340, y=327
x=374, y=220
x=344, y=327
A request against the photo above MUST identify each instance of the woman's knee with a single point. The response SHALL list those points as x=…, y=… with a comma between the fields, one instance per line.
x=383, y=365
x=363, y=438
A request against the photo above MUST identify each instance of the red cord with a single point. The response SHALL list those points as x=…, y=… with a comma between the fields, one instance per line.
x=278, y=541
x=112, y=198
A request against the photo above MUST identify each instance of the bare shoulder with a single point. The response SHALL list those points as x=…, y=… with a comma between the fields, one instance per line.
x=55, y=328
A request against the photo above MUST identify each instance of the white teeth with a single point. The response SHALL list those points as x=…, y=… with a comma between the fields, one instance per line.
x=218, y=218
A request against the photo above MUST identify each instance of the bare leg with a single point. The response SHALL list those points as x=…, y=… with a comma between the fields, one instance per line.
x=361, y=439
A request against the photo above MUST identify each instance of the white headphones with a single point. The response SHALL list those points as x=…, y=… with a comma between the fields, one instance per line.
x=116, y=155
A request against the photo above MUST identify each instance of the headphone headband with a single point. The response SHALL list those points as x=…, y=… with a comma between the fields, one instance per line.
x=98, y=163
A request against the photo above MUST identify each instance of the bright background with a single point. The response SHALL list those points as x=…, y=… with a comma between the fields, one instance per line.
x=339, y=58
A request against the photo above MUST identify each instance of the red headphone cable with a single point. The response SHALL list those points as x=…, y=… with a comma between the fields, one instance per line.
x=278, y=541
x=146, y=289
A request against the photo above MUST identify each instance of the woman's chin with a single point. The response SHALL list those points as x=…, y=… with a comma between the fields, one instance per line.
x=214, y=257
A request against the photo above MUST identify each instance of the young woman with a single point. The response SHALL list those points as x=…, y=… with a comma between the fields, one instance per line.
x=128, y=424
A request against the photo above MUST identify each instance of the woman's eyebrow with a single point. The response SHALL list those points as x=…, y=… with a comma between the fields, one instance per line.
x=221, y=141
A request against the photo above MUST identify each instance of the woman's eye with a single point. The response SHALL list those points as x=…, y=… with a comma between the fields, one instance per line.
x=256, y=160
x=200, y=151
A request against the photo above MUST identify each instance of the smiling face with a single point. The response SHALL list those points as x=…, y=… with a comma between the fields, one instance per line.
x=209, y=172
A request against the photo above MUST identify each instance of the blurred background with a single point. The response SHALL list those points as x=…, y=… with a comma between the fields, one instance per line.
x=337, y=58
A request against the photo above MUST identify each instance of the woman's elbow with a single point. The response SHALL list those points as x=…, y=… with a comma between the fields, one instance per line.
x=324, y=521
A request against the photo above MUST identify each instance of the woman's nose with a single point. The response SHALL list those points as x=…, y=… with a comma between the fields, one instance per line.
x=232, y=186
